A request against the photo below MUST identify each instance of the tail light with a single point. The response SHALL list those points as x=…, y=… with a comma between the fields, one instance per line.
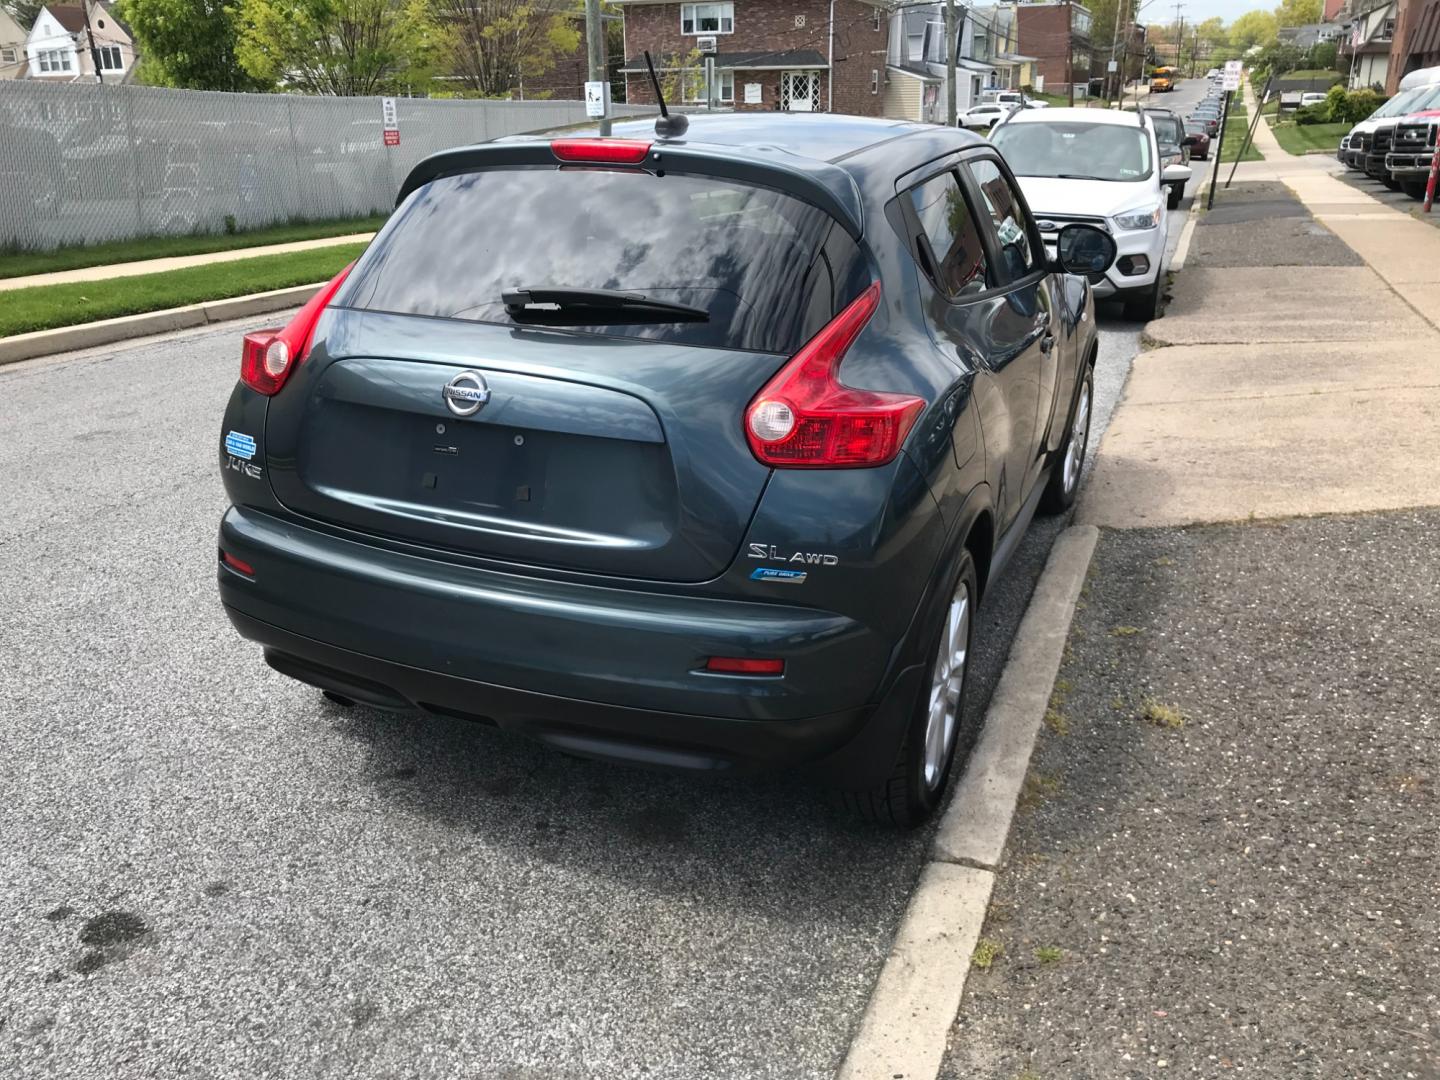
x=805, y=418
x=601, y=151
x=268, y=356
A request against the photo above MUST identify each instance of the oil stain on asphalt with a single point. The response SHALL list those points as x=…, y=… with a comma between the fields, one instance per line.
x=110, y=936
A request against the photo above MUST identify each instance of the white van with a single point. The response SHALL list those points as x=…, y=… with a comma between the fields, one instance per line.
x=1415, y=92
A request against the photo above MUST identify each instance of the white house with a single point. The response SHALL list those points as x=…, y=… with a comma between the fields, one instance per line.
x=915, y=64
x=1368, y=45
x=59, y=45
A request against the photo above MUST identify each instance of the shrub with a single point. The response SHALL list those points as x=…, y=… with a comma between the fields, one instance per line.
x=1313, y=114
x=1359, y=104
x=1335, y=103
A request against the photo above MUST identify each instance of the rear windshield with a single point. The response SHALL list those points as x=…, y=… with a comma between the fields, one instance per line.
x=745, y=255
x=1167, y=129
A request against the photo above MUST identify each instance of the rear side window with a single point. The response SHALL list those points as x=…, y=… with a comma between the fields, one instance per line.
x=957, y=254
x=746, y=256
x=1167, y=129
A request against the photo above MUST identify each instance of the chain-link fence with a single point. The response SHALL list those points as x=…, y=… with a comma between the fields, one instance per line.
x=86, y=163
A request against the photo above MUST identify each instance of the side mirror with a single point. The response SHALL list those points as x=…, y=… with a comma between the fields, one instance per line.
x=1174, y=174
x=1084, y=250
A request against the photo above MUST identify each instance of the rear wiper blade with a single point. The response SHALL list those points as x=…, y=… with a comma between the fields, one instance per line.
x=521, y=301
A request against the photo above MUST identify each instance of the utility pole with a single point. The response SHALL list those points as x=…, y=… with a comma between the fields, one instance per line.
x=1179, y=34
x=950, y=47
x=595, y=52
x=94, y=52
x=1070, y=51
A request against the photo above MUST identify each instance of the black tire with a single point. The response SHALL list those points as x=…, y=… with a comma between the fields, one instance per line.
x=1415, y=191
x=1063, y=485
x=336, y=699
x=1145, y=307
x=906, y=799
x=1389, y=181
x=1176, y=194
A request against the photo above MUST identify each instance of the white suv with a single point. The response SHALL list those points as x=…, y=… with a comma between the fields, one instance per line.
x=1102, y=168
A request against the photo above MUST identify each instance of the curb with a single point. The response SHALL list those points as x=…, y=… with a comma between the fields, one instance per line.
x=917, y=996
x=108, y=331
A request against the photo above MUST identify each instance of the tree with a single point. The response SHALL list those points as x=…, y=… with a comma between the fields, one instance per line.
x=491, y=45
x=1297, y=12
x=25, y=11
x=345, y=48
x=1212, y=33
x=1253, y=28
x=189, y=44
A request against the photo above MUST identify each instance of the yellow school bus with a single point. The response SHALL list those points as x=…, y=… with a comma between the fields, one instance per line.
x=1162, y=79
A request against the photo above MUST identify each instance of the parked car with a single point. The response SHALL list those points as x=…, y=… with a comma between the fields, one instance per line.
x=1101, y=168
x=1311, y=98
x=1412, y=151
x=1174, y=150
x=1199, y=140
x=1418, y=90
x=1211, y=122
x=1014, y=98
x=703, y=485
x=980, y=117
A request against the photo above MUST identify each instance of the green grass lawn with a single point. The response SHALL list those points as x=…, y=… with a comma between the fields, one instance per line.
x=45, y=307
x=1235, y=128
x=1313, y=73
x=23, y=263
x=1302, y=138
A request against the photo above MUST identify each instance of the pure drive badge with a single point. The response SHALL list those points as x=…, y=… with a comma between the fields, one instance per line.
x=779, y=576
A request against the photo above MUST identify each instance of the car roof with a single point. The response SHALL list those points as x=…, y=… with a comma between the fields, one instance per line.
x=820, y=136
x=1118, y=117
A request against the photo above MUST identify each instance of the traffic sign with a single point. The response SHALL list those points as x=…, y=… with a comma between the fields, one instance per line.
x=390, y=121
x=597, y=99
x=1233, y=68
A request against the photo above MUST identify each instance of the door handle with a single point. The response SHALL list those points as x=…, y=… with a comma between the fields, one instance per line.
x=1047, y=342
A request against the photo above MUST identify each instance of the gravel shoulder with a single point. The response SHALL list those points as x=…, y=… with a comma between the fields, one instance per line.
x=1227, y=856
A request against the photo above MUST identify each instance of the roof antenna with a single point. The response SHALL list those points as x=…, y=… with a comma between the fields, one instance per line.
x=667, y=127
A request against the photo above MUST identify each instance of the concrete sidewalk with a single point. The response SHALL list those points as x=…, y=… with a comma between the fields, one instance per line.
x=1291, y=377
x=178, y=262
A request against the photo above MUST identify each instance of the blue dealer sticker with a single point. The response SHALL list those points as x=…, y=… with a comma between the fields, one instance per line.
x=784, y=577
x=240, y=445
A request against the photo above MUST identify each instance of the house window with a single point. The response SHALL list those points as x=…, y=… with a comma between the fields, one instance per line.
x=1387, y=33
x=9, y=56
x=54, y=60
x=874, y=81
x=695, y=86
x=110, y=58
x=707, y=18
x=876, y=13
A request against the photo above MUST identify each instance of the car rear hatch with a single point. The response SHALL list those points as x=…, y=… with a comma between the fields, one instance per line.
x=597, y=430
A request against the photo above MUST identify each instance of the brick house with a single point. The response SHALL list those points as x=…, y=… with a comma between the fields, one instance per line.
x=1057, y=32
x=795, y=55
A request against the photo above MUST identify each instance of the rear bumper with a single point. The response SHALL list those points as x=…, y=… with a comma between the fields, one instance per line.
x=602, y=671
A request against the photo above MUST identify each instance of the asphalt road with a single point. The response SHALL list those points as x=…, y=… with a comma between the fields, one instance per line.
x=207, y=870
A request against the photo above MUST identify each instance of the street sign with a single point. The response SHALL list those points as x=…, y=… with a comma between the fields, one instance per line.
x=597, y=99
x=754, y=92
x=1233, y=69
x=1113, y=65
x=390, y=121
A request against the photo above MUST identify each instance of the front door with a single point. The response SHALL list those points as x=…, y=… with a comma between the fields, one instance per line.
x=800, y=91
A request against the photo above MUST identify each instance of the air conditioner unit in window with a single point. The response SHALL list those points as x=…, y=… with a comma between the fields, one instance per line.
x=705, y=44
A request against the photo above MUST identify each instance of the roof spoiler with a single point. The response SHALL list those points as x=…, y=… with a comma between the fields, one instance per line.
x=819, y=183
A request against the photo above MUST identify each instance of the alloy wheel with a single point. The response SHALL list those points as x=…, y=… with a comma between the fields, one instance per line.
x=1079, y=433
x=946, y=685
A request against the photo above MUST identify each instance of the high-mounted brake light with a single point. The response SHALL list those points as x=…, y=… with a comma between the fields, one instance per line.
x=806, y=418
x=601, y=151
x=268, y=356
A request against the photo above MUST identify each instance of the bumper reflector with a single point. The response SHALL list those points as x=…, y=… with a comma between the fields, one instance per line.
x=237, y=564
x=738, y=665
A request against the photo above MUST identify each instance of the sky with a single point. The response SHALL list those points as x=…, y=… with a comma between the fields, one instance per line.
x=1163, y=11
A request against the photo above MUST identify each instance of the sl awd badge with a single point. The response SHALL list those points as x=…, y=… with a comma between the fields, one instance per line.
x=466, y=393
